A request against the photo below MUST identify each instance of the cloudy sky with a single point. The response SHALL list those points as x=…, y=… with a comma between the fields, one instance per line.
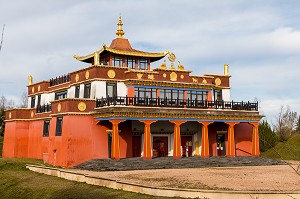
x=260, y=40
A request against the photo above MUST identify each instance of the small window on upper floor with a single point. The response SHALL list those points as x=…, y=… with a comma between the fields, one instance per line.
x=218, y=95
x=46, y=128
x=77, y=90
x=131, y=63
x=111, y=90
x=39, y=100
x=87, y=91
x=61, y=95
x=59, y=124
x=143, y=64
x=32, y=104
x=117, y=61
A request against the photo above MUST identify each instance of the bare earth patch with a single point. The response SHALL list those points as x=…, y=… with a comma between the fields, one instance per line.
x=250, y=178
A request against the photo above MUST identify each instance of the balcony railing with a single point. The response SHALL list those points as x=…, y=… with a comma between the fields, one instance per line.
x=176, y=103
x=44, y=108
x=60, y=80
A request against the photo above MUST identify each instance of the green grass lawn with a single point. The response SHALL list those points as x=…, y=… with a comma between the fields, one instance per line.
x=18, y=182
x=288, y=150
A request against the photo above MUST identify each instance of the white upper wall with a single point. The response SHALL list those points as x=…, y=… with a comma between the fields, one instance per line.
x=121, y=89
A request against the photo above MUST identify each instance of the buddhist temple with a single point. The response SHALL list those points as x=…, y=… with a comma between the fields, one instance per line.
x=118, y=106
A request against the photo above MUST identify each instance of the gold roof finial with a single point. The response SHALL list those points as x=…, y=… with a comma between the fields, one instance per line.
x=120, y=31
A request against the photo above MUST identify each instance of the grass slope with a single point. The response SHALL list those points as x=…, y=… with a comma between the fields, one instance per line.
x=18, y=182
x=1, y=145
x=288, y=150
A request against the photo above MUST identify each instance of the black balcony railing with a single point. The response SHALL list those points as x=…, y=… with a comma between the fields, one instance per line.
x=60, y=80
x=176, y=103
x=44, y=108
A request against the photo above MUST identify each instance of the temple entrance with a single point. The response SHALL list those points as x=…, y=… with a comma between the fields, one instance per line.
x=187, y=145
x=160, y=146
x=136, y=146
x=221, y=150
x=109, y=140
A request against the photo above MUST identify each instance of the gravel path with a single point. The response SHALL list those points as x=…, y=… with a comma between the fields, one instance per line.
x=170, y=163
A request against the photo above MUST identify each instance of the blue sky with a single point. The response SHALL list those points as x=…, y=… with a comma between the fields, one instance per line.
x=260, y=40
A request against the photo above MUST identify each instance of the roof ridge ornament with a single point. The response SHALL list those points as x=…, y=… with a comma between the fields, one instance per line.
x=120, y=31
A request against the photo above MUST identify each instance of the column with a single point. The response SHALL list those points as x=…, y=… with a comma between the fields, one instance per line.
x=147, y=139
x=255, y=139
x=230, y=152
x=177, y=138
x=115, y=146
x=205, y=141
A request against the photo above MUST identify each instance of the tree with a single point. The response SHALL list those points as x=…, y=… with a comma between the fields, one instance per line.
x=267, y=138
x=285, y=123
x=24, y=99
x=2, y=37
x=298, y=125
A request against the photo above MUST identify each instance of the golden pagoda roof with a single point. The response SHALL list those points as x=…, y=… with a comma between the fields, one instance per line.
x=121, y=46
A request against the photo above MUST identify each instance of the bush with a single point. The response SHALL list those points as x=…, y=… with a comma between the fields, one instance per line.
x=267, y=138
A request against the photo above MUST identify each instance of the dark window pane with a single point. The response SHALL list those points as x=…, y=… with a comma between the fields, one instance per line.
x=87, y=91
x=61, y=95
x=77, y=90
x=32, y=102
x=111, y=90
x=143, y=64
x=46, y=128
x=59, y=123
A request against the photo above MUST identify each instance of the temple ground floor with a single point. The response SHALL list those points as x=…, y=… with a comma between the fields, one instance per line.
x=83, y=137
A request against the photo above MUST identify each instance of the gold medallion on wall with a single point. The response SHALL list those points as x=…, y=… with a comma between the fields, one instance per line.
x=77, y=77
x=218, y=81
x=181, y=76
x=139, y=75
x=164, y=75
x=32, y=90
x=87, y=74
x=111, y=74
x=204, y=81
x=173, y=76
x=81, y=106
x=9, y=115
x=39, y=88
x=32, y=114
x=59, y=107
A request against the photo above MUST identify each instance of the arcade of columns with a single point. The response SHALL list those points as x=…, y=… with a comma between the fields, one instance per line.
x=230, y=152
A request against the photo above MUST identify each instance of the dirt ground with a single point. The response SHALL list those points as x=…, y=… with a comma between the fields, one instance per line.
x=251, y=178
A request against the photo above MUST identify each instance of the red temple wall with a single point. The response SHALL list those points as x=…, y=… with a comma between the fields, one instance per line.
x=125, y=139
x=21, y=139
x=243, y=139
x=9, y=143
x=35, y=134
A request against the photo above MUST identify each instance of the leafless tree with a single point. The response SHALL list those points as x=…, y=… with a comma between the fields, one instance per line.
x=285, y=123
x=2, y=37
x=24, y=99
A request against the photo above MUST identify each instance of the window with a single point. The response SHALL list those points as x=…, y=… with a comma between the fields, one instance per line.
x=131, y=63
x=77, y=90
x=59, y=123
x=46, y=128
x=39, y=100
x=87, y=91
x=61, y=95
x=143, y=64
x=32, y=101
x=171, y=94
x=117, y=61
x=197, y=95
x=218, y=95
x=145, y=92
x=111, y=90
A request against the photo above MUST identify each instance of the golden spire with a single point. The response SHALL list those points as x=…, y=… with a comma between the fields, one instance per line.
x=120, y=31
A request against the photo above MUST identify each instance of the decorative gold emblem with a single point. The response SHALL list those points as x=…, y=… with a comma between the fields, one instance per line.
x=139, y=75
x=204, y=81
x=9, y=115
x=77, y=77
x=87, y=74
x=59, y=107
x=181, y=76
x=172, y=59
x=81, y=106
x=29, y=80
x=195, y=80
x=151, y=76
x=39, y=88
x=32, y=114
x=173, y=76
x=32, y=89
x=164, y=75
x=111, y=74
x=180, y=67
x=218, y=81
x=163, y=65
